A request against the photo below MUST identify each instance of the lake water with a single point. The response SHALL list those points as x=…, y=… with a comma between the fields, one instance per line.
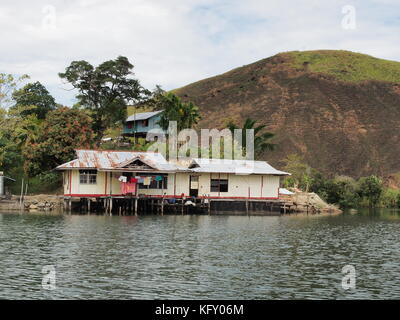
x=200, y=257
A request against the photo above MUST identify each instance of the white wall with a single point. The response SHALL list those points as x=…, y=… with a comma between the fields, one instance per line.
x=260, y=186
x=255, y=186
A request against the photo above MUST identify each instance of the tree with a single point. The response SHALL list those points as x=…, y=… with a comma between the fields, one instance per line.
x=64, y=130
x=371, y=188
x=37, y=96
x=8, y=84
x=105, y=90
x=185, y=113
x=295, y=165
x=261, y=139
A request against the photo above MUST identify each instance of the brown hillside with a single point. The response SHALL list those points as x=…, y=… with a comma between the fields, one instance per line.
x=341, y=110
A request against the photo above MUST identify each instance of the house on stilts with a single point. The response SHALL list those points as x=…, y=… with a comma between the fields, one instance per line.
x=130, y=182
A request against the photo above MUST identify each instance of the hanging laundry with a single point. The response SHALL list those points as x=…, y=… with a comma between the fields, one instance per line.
x=140, y=180
x=122, y=178
x=133, y=180
x=128, y=188
x=159, y=178
x=147, y=181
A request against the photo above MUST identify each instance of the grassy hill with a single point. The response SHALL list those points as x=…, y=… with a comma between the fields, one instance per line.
x=346, y=65
x=340, y=109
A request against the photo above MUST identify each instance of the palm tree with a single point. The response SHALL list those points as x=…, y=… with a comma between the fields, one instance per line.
x=261, y=139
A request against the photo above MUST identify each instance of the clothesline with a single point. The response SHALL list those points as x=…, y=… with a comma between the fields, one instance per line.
x=146, y=180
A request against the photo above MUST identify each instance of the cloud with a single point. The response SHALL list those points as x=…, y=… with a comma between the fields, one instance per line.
x=173, y=43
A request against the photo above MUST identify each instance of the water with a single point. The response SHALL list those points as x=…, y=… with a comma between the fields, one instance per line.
x=200, y=257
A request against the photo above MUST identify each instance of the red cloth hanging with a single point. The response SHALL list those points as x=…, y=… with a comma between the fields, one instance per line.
x=128, y=188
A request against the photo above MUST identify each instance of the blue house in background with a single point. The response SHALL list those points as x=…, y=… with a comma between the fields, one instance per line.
x=140, y=123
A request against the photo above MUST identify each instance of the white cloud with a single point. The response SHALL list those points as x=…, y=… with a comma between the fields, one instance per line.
x=176, y=42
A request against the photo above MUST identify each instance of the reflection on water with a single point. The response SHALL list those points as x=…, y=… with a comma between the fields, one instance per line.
x=200, y=257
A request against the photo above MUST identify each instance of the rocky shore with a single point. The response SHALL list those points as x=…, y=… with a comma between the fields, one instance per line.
x=309, y=202
x=33, y=203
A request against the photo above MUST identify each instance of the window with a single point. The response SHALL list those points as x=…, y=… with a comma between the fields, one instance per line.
x=145, y=123
x=129, y=125
x=219, y=185
x=154, y=184
x=87, y=176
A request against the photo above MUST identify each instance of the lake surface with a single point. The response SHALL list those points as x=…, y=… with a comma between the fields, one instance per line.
x=200, y=257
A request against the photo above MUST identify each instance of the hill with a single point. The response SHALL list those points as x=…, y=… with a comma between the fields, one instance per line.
x=340, y=109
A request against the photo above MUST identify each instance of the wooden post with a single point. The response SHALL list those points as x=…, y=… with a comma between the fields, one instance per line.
x=247, y=207
x=111, y=205
x=136, y=206
x=22, y=193
x=209, y=206
x=88, y=205
x=162, y=206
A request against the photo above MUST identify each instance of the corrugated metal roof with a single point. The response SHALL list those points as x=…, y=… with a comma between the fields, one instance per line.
x=99, y=159
x=114, y=160
x=142, y=115
x=234, y=166
x=285, y=191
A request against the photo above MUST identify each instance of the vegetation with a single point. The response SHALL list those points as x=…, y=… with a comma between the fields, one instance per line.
x=105, y=91
x=346, y=65
x=262, y=138
x=185, y=113
x=8, y=85
x=63, y=131
x=35, y=96
x=341, y=190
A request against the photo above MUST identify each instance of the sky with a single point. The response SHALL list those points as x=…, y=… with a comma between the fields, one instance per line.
x=175, y=42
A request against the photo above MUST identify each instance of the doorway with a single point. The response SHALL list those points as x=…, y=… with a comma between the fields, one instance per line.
x=194, y=186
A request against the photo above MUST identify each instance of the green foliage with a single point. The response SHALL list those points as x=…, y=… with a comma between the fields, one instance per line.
x=105, y=90
x=371, y=188
x=8, y=85
x=300, y=171
x=342, y=190
x=185, y=113
x=346, y=65
x=261, y=138
x=35, y=95
x=390, y=198
x=64, y=130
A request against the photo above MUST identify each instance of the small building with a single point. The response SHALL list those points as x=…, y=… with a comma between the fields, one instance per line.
x=139, y=124
x=127, y=174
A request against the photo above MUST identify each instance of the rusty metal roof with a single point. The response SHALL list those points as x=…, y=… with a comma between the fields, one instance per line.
x=115, y=160
x=99, y=159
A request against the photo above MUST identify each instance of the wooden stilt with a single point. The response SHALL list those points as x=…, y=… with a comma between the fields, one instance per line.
x=162, y=206
x=136, y=206
x=88, y=206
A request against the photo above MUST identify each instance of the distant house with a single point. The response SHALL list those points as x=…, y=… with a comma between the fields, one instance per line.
x=139, y=124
